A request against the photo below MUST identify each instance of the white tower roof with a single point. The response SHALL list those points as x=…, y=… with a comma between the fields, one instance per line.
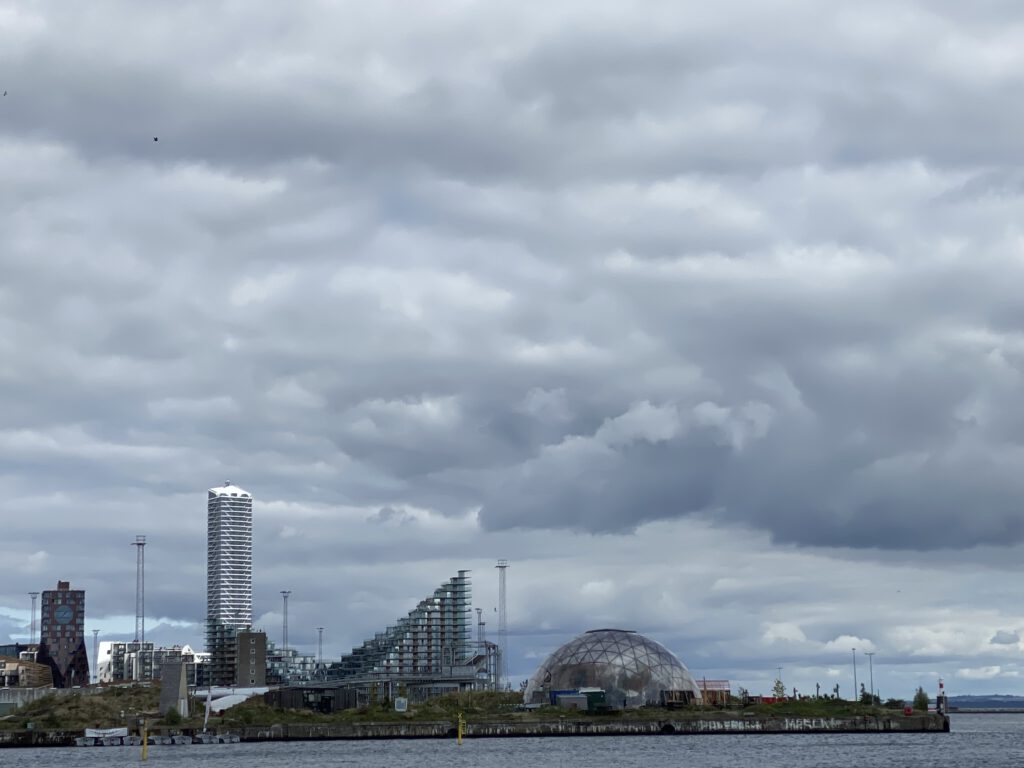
x=228, y=490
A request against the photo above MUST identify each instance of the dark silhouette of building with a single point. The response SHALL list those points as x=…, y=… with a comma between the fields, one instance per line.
x=62, y=636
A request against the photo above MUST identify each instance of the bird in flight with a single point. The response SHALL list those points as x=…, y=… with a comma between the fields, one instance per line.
x=155, y=138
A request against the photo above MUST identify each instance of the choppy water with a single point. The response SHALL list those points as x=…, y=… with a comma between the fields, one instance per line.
x=992, y=741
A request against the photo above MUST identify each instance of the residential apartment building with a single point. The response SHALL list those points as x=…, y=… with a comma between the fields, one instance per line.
x=62, y=635
x=228, y=577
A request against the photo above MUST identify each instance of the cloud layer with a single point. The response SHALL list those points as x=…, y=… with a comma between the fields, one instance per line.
x=574, y=273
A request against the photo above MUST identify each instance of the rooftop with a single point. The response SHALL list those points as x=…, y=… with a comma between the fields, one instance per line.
x=229, y=490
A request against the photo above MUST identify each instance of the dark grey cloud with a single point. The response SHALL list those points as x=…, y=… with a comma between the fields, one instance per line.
x=1005, y=637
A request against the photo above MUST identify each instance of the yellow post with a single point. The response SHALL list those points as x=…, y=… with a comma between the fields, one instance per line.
x=145, y=743
x=462, y=726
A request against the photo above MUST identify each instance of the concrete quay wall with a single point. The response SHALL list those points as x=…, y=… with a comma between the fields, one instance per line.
x=444, y=729
x=38, y=738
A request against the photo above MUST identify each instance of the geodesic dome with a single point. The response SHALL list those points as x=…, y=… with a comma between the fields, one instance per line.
x=632, y=669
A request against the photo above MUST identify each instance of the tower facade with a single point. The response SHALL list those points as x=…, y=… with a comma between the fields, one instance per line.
x=228, y=576
x=62, y=638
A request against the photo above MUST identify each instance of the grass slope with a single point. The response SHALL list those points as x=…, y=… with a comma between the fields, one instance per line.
x=123, y=706
x=75, y=712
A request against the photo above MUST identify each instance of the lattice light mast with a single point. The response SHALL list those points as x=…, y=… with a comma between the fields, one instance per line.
x=32, y=621
x=140, y=589
x=502, y=675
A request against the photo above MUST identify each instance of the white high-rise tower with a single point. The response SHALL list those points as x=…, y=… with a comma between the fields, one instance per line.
x=228, y=576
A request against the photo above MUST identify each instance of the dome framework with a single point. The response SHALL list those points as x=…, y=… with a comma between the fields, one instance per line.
x=633, y=670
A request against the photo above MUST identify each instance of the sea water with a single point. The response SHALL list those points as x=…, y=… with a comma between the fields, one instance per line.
x=991, y=741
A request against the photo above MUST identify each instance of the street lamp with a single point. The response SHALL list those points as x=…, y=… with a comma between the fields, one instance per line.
x=855, y=674
x=871, y=673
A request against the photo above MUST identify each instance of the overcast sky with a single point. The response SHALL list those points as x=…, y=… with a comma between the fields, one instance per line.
x=707, y=316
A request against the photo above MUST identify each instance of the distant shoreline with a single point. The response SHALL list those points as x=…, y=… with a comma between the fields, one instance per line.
x=986, y=710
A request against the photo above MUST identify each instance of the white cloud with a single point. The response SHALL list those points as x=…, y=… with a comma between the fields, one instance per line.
x=783, y=632
x=979, y=673
x=252, y=290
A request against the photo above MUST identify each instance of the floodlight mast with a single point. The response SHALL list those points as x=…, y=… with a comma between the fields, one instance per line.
x=95, y=656
x=140, y=589
x=284, y=623
x=320, y=650
x=502, y=567
x=32, y=623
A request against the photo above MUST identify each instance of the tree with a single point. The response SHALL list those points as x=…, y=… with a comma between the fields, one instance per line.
x=921, y=700
x=867, y=698
x=895, y=703
x=779, y=690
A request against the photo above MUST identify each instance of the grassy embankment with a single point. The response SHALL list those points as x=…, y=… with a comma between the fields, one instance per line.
x=113, y=708
x=485, y=707
x=123, y=706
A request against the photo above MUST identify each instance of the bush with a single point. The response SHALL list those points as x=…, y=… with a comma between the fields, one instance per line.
x=172, y=717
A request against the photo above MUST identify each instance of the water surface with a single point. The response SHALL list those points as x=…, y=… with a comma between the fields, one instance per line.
x=992, y=741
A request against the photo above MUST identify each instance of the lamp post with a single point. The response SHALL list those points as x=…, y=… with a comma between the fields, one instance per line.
x=855, y=674
x=871, y=675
